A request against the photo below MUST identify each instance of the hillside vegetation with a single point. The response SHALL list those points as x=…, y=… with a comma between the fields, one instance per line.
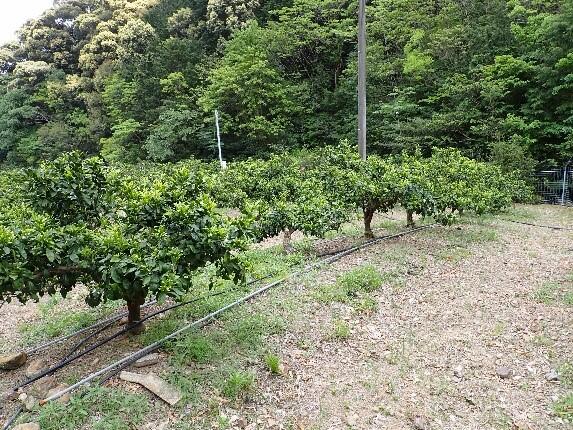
x=140, y=79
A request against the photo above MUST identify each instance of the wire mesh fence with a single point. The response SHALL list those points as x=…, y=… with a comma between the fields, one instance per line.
x=555, y=186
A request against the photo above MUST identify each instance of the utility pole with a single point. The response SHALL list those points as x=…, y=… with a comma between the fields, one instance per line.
x=362, y=78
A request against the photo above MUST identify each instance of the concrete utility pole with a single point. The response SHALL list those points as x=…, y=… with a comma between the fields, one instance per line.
x=362, y=78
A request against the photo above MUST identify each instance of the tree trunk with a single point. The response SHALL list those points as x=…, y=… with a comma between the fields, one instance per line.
x=134, y=315
x=287, y=245
x=409, y=218
x=368, y=214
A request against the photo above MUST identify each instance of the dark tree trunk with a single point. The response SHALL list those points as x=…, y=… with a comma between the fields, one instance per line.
x=287, y=245
x=368, y=215
x=134, y=315
x=409, y=219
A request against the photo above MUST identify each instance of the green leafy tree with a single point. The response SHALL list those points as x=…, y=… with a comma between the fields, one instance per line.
x=121, y=237
x=257, y=104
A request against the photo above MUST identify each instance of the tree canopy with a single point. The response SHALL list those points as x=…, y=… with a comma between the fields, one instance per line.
x=139, y=79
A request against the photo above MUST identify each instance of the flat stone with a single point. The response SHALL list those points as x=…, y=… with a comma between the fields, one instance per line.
x=35, y=367
x=27, y=426
x=41, y=387
x=459, y=371
x=64, y=399
x=12, y=361
x=155, y=384
x=420, y=423
x=503, y=372
x=552, y=376
x=148, y=360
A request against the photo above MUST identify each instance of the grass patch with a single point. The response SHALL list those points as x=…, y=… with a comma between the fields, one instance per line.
x=498, y=329
x=365, y=305
x=351, y=285
x=237, y=384
x=100, y=408
x=55, y=321
x=563, y=408
x=340, y=330
x=552, y=293
x=249, y=329
x=362, y=279
x=197, y=348
x=273, y=363
x=566, y=373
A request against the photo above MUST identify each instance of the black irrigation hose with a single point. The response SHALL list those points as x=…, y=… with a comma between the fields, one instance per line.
x=63, y=338
x=69, y=359
x=13, y=418
x=78, y=345
x=114, y=368
x=82, y=342
x=538, y=225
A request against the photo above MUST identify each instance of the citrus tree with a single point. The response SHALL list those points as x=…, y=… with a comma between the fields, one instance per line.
x=369, y=185
x=287, y=193
x=121, y=237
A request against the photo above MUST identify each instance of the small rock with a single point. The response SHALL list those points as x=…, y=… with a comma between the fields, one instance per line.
x=503, y=372
x=352, y=419
x=148, y=360
x=552, y=376
x=35, y=367
x=9, y=395
x=459, y=372
x=41, y=387
x=27, y=426
x=64, y=399
x=12, y=361
x=30, y=403
x=157, y=426
x=155, y=384
x=420, y=423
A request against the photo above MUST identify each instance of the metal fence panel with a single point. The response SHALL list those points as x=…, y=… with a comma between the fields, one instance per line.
x=555, y=186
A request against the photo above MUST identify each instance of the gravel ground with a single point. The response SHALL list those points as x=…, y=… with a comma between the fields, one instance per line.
x=460, y=303
x=428, y=357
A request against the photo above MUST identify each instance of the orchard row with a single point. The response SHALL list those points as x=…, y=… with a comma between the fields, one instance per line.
x=128, y=233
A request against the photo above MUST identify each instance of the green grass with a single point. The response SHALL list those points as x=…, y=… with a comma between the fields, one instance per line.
x=551, y=293
x=273, y=363
x=55, y=321
x=197, y=348
x=563, y=408
x=340, y=330
x=237, y=384
x=362, y=279
x=566, y=374
x=351, y=285
x=99, y=408
x=453, y=254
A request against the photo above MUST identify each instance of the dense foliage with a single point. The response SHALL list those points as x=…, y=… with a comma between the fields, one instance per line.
x=129, y=234
x=122, y=237
x=139, y=79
